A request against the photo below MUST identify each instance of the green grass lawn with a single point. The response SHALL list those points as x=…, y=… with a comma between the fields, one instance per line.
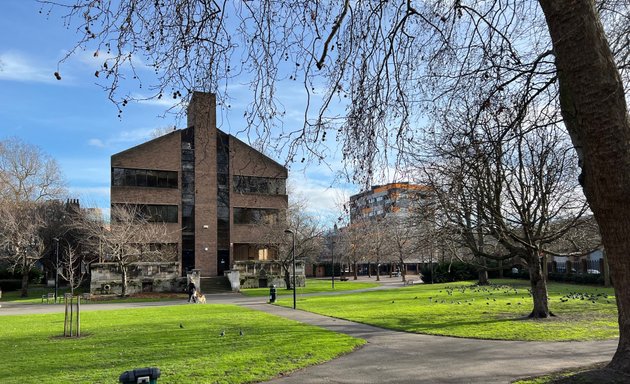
x=35, y=296
x=31, y=350
x=461, y=310
x=35, y=293
x=314, y=286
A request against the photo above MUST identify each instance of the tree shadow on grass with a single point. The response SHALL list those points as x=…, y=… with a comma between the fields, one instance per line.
x=411, y=323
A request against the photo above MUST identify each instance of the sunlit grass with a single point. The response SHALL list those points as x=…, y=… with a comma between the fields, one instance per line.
x=462, y=310
x=120, y=340
x=314, y=286
x=35, y=296
x=35, y=293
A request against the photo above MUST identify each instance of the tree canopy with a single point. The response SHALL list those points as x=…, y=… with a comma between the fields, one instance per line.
x=393, y=66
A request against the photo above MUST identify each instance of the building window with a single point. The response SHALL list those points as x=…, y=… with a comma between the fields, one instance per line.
x=261, y=185
x=166, y=250
x=161, y=213
x=154, y=213
x=256, y=216
x=129, y=177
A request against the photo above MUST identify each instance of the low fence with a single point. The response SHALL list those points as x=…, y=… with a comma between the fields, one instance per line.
x=594, y=267
x=583, y=271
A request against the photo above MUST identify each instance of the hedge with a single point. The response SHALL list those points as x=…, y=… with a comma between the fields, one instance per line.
x=7, y=285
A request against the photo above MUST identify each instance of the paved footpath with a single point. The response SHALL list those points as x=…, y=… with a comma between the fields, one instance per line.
x=399, y=357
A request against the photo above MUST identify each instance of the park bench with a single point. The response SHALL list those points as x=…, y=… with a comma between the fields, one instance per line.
x=48, y=297
x=86, y=296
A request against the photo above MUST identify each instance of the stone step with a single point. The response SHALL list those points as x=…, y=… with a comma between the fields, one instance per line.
x=219, y=284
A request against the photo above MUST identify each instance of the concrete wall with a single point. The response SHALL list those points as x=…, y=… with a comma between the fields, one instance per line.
x=143, y=277
x=262, y=274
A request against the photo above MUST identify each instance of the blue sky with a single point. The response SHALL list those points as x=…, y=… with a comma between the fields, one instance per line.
x=73, y=121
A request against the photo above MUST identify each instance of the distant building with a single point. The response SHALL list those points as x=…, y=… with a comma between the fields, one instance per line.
x=393, y=198
x=216, y=193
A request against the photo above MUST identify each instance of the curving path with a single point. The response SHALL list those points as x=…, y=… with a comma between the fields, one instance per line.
x=399, y=357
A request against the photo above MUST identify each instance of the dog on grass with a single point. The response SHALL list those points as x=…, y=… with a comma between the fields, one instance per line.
x=199, y=298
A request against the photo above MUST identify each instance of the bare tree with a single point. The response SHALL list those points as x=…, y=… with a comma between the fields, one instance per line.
x=403, y=234
x=377, y=243
x=133, y=236
x=392, y=60
x=72, y=267
x=509, y=186
x=27, y=174
x=28, y=179
x=63, y=227
x=309, y=242
x=353, y=245
x=20, y=243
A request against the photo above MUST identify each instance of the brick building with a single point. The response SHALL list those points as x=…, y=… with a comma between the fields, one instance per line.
x=217, y=194
x=392, y=198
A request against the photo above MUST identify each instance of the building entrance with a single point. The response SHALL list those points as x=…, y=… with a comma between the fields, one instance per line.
x=223, y=262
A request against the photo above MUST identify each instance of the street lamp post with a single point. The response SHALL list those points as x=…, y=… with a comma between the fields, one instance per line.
x=293, y=262
x=56, y=267
x=332, y=255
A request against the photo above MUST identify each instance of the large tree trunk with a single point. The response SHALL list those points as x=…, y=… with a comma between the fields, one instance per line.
x=539, y=288
x=596, y=115
x=354, y=266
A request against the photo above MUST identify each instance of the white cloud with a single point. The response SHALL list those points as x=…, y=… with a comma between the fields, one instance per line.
x=165, y=102
x=15, y=66
x=124, y=139
x=96, y=143
x=324, y=200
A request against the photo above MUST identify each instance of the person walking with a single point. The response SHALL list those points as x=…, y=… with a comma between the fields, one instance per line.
x=191, y=292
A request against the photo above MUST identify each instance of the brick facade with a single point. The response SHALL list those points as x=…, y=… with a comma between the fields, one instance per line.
x=165, y=154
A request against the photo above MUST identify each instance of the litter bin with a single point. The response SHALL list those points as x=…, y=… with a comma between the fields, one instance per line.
x=140, y=375
x=272, y=294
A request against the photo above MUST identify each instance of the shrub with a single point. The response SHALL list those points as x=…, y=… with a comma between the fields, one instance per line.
x=578, y=278
x=449, y=272
x=10, y=285
x=35, y=275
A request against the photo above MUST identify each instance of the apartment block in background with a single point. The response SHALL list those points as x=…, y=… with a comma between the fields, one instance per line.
x=217, y=195
x=382, y=200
